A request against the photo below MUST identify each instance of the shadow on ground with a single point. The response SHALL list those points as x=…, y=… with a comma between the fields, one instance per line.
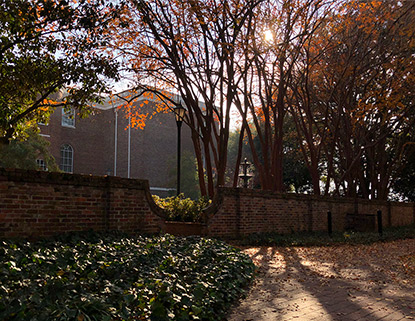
x=360, y=282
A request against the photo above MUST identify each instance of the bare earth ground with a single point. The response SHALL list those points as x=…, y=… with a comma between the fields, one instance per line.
x=345, y=282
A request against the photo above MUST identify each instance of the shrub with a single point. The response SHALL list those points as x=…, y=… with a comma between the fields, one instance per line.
x=182, y=209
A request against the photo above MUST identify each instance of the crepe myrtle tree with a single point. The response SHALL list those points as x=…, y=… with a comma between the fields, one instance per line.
x=51, y=46
x=191, y=48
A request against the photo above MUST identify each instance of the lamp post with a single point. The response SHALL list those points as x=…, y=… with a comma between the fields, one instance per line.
x=245, y=175
x=179, y=112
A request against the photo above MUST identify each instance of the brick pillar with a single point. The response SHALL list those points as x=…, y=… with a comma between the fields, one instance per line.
x=238, y=214
x=310, y=215
x=389, y=217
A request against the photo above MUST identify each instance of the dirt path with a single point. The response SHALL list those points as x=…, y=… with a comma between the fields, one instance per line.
x=361, y=282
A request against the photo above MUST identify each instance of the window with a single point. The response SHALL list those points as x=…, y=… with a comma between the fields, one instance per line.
x=68, y=117
x=66, y=164
x=41, y=164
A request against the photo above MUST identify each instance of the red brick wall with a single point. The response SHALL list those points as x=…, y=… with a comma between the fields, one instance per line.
x=38, y=204
x=240, y=212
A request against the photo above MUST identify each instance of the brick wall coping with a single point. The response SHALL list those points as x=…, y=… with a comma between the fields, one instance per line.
x=58, y=178
x=269, y=194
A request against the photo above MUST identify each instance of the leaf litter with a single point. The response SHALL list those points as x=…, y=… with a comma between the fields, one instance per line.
x=375, y=277
x=378, y=262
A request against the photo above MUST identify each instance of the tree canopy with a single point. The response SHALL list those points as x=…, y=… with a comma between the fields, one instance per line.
x=25, y=153
x=47, y=46
x=353, y=97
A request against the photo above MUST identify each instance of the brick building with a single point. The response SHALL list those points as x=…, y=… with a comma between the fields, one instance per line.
x=102, y=144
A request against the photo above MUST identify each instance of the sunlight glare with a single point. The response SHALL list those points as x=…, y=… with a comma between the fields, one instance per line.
x=269, y=35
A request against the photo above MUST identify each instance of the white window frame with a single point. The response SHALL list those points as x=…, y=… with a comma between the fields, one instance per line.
x=41, y=164
x=68, y=118
x=66, y=161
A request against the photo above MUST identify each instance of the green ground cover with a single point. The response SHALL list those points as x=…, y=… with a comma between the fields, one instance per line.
x=114, y=277
x=322, y=238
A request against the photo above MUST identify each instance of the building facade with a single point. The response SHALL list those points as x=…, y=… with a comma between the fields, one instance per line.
x=105, y=144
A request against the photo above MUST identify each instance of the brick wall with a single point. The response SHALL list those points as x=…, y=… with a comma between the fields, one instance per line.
x=239, y=212
x=37, y=204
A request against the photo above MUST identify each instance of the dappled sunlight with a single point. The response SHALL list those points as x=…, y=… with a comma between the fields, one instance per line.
x=267, y=257
x=372, y=263
x=346, y=282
